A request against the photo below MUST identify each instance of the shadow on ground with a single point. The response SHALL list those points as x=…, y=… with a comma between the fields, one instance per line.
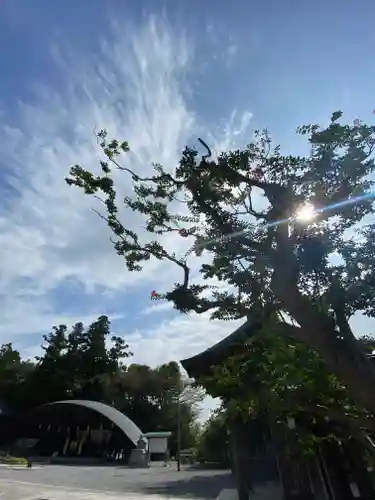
x=193, y=487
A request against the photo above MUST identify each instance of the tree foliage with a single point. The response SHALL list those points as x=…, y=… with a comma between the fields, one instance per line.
x=213, y=443
x=89, y=363
x=239, y=210
x=276, y=380
x=367, y=343
x=284, y=377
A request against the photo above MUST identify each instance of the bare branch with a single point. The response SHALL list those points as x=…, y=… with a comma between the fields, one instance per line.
x=208, y=149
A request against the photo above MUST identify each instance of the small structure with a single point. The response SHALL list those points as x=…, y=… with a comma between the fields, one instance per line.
x=158, y=445
x=260, y=453
x=139, y=456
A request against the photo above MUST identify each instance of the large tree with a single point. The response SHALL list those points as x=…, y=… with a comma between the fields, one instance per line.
x=74, y=364
x=247, y=212
x=14, y=372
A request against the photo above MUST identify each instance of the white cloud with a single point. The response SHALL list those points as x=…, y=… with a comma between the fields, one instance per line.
x=162, y=307
x=235, y=131
x=135, y=88
x=47, y=230
x=207, y=407
x=179, y=338
x=135, y=94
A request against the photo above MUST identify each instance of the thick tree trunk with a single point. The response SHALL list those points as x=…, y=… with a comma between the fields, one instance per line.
x=341, y=353
x=342, y=356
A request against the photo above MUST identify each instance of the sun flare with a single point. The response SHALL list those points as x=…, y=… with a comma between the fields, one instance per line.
x=306, y=213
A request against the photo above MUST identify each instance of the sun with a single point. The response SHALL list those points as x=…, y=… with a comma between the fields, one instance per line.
x=306, y=213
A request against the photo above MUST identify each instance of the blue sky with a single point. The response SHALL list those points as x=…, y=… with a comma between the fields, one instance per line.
x=157, y=74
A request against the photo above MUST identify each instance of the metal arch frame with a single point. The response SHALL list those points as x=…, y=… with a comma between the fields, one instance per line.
x=128, y=427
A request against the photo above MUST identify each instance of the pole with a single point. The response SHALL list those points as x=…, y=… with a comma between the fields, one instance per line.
x=178, y=435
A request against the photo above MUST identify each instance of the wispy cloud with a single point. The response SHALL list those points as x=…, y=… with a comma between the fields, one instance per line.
x=180, y=337
x=137, y=88
x=162, y=307
x=183, y=336
x=48, y=231
x=135, y=94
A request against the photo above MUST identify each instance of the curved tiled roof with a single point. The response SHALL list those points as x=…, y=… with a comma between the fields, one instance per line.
x=119, y=419
x=201, y=363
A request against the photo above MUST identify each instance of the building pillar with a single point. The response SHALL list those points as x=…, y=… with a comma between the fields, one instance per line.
x=241, y=457
x=334, y=461
x=293, y=466
x=354, y=453
x=66, y=444
x=318, y=484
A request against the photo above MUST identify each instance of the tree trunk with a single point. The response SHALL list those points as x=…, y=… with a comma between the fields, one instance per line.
x=340, y=352
x=288, y=477
x=341, y=356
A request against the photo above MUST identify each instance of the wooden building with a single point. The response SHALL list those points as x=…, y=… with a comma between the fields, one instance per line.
x=336, y=470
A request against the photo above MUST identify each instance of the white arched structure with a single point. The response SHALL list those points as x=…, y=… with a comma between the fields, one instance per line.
x=124, y=423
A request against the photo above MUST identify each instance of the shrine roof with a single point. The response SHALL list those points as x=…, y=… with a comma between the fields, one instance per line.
x=201, y=363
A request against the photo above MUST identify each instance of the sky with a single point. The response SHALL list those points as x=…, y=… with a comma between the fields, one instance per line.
x=159, y=75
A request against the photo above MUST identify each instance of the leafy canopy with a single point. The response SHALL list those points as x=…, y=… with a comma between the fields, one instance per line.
x=280, y=375
x=78, y=363
x=240, y=210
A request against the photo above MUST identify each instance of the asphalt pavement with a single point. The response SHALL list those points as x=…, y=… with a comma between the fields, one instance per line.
x=52, y=482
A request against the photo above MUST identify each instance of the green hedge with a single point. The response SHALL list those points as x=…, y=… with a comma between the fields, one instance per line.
x=11, y=460
x=188, y=456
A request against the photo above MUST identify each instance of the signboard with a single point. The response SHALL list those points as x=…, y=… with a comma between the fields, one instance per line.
x=157, y=444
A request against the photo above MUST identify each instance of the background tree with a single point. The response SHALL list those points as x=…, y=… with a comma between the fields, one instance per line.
x=80, y=363
x=249, y=211
x=151, y=398
x=213, y=443
x=13, y=375
x=77, y=364
x=367, y=342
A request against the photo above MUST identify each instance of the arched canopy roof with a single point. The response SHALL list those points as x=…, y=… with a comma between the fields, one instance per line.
x=124, y=423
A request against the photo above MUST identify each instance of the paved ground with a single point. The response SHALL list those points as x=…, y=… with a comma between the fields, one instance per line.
x=55, y=482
